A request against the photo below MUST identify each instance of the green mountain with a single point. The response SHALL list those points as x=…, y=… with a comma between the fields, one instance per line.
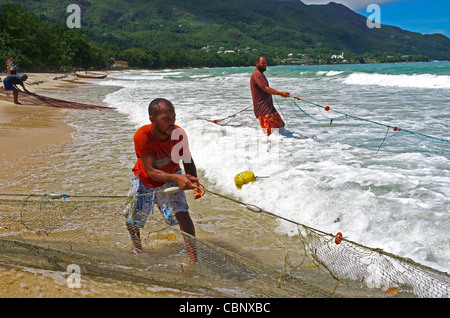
x=261, y=24
x=151, y=32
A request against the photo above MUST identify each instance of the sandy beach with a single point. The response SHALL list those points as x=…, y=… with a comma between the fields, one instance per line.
x=24, y=131
x=26, y=128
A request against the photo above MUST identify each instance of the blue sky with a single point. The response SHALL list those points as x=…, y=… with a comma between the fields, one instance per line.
x=423, y=16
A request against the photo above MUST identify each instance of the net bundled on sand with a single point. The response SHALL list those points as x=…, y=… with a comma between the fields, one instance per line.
x=53, y=232
x=35, y=99
x=41, y=232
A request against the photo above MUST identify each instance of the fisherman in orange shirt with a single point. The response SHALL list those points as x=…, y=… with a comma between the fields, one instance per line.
x=159, y=149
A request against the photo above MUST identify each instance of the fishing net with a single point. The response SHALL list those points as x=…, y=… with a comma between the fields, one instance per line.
x=328, y=118
x=389, y=134
x=58, y=233
x=244, y=117
x=35, y=99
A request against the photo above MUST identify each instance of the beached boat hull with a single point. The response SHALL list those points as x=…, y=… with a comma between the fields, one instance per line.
x=91, y=76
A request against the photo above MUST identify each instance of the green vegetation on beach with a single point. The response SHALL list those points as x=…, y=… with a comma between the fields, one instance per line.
x=180, y=34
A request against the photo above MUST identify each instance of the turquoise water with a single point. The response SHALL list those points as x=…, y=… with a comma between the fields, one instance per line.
x=378, y=187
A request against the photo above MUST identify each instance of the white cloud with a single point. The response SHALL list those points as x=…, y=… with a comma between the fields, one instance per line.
x=352, y=4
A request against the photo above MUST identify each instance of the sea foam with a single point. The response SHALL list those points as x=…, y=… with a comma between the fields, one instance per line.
x=403, y=80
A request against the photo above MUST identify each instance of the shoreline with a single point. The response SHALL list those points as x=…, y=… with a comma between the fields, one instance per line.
x=65, y=75
x=26, y=132
x=27, y=129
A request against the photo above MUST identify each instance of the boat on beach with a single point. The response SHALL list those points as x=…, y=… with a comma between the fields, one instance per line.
x=95, y=76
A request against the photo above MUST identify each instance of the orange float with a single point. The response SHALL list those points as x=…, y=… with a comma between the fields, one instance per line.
x=338, y=238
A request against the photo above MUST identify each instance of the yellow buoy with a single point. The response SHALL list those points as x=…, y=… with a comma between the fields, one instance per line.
x=244, y=178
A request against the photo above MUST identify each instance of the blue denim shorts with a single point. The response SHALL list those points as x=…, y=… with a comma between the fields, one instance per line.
x=8, y=86
x=168, y=204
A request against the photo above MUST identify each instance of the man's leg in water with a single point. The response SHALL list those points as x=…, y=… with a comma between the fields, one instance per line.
x=135, y=235
x=187, y=226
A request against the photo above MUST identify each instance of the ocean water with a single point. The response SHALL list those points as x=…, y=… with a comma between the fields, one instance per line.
x=378, y=187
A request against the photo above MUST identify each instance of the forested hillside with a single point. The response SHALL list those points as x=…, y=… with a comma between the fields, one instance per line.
x=192, y=33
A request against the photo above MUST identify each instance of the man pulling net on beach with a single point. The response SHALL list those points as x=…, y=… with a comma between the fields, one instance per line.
x=10, y=83
x=159, y=148
x=262, y=98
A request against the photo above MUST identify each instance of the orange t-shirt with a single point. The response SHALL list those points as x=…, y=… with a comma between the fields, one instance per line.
x=145, y=144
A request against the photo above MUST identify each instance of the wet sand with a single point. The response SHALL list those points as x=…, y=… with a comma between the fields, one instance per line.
x=25, y=130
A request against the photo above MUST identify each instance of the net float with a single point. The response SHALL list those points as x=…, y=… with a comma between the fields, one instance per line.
x=245, y=177
x=338, y=238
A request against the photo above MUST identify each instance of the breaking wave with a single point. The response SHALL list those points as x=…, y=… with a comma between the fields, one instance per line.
x=402, y=80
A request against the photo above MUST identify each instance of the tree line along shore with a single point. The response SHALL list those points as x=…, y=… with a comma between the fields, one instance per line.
x=40, y=46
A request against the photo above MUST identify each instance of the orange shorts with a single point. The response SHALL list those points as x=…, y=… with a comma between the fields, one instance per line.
x=270, y=121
